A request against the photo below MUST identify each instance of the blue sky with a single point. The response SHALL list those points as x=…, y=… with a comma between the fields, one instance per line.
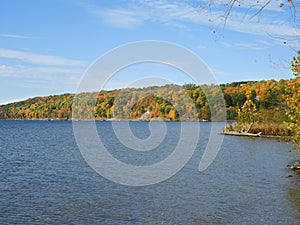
x=45, y=46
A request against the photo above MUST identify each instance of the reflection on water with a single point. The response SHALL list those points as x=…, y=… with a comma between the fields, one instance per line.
x=293, y=195
x=44, y=179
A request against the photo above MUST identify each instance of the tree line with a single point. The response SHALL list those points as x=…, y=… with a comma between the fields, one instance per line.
x=169, y=102
x=264, y=102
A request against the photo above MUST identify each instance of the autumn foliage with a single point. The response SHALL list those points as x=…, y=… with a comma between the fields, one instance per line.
x=293, y=100
x=266, y=98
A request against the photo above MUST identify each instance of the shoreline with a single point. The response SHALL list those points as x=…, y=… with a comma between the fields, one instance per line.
x=112, y=120
x=224, y=132
x=258, y=135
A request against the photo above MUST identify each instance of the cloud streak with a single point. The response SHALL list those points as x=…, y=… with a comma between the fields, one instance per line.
x=254, y=45
x=179, y=13
x=117, y=17
x=47, y=73
x=122, y=18
x=249, y=5
x=14, y=36
x=39, y=59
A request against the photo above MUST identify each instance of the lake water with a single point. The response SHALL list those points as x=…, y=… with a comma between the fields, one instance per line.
x=44, y=179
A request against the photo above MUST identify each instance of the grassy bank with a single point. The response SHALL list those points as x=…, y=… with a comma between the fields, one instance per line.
x=266, y=129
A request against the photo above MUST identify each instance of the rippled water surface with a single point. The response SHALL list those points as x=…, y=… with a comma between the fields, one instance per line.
x=44, y=179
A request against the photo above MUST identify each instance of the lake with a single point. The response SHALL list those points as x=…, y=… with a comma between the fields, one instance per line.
x=44, y=179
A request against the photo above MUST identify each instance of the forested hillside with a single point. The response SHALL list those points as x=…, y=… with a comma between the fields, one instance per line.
x=158, y=102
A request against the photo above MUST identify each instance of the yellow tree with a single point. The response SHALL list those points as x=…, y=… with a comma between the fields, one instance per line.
x=246, y=113
x=293, y=99
x=172, y=114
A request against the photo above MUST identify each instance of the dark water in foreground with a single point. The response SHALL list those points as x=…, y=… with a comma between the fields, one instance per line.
x=44, y=179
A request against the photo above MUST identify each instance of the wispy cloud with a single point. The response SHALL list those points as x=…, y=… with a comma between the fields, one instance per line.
x=254, y=45
x=40, y=59
x=45, y=73
x=250, y=5
x=117, y=17
x=267, y=25
x=15, y=36
x=178, y=13
x=122, y=18
x=238, y=20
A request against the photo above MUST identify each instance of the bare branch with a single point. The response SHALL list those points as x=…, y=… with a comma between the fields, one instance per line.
x=227, y=12
x=284, y=38
x=261, y=9
x=293, y=10
x=256, y=8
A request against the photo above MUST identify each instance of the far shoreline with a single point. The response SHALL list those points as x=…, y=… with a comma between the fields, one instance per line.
x=283, y=138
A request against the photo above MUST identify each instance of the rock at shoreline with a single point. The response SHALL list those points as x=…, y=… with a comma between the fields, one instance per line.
x=296, y=167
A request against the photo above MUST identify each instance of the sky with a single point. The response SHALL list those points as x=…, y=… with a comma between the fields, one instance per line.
x=47, y=46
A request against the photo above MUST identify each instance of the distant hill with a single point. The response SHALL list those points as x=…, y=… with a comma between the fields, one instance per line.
x=157, y=102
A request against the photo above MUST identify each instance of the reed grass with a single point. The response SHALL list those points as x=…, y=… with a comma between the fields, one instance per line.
x=268, y=129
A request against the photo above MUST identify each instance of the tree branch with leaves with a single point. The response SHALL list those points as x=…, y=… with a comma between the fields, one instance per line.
x=293, y=100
